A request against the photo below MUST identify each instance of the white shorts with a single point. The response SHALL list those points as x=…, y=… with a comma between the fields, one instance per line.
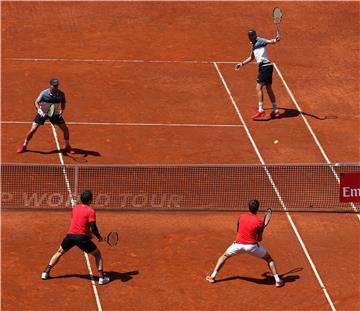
x=252, y=249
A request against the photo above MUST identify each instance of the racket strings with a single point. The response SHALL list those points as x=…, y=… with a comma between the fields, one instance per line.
x=267, y=217
x=112, y=238
x=277, y=15
x=51, y=110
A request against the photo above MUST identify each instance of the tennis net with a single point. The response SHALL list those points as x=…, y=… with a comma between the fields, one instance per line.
x=300, y=187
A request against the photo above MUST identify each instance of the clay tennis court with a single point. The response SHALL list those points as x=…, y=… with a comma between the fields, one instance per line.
x=154, y=83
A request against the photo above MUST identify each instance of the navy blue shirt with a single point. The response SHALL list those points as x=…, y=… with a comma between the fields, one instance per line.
x=45, y=96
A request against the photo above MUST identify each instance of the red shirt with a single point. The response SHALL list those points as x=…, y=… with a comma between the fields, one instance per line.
x=81, y=217
x=249, y=226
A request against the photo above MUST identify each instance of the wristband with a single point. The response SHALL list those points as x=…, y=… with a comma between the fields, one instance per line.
x=40, y=112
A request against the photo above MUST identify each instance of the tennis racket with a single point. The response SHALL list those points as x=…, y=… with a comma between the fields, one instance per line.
x=112, y=238
x=277, y=17
x=48, y=109
x=267, y=216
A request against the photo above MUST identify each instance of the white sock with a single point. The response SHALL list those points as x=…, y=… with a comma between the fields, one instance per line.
x=261, y=107
x=213, y=275
x=26, y=142
x=276, y=276
x=275, y=108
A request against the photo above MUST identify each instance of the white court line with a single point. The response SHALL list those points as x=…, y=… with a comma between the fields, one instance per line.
x=277, y=192
x=135, y=124
x=317, y=142
x=67, y=183
x=94, y=60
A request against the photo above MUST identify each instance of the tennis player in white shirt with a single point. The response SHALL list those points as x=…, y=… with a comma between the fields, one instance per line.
x=264, y=78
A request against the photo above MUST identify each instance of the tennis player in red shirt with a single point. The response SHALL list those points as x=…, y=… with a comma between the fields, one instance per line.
x=83, y=224
x=249, y=234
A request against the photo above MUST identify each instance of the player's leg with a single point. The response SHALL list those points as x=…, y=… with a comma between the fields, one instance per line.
x=30, y=134
x=53, y=261
x=60, y=122
x=259, y=251
x=66, y=245
x=267, y=79
x=271, y=94
x=103, y=279
x=275, y=113
x=220, y=263
x=259, y=91
x=232, y=250
x=88, y=246
x=34, y=127
x=271, y=263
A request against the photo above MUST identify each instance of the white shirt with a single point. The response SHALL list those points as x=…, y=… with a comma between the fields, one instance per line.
x=259, y=50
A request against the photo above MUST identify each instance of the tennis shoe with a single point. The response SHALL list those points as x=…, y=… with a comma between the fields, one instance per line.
x=21, y=149
x=210, y=279
x=104, y=280
x=258, y=115
x=275, y=114
x=279, y=283
x=70, y=150
x=44, y=276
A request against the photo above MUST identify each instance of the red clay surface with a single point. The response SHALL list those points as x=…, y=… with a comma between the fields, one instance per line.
x=159, y=260
x=163, y=258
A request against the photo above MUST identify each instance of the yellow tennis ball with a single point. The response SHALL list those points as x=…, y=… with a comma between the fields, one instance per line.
x=276, y=141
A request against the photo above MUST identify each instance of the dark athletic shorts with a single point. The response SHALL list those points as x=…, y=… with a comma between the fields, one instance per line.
x=265, y=74
x=55, y=119
x=81, y=241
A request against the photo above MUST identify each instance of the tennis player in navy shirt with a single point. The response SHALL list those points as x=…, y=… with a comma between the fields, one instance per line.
x=55, y=96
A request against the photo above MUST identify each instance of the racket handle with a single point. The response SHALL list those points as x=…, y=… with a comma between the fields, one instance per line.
x=277, y=32
x=238, y=66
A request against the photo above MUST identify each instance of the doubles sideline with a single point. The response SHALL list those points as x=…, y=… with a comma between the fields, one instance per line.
x=67, y=183
x=317, y=142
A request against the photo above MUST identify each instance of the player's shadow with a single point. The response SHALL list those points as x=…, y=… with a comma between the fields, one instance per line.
x=114, y=276
x=79, y=153
x=267, y=279
x=293, y=113
x=122, y=276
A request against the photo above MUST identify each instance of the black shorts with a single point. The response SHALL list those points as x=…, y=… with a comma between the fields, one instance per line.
x=55, y=119
x=81, y=241
x=265, y=74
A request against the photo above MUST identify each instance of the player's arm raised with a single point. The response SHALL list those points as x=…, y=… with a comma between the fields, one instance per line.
x=273, y=41
x=246, y=61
